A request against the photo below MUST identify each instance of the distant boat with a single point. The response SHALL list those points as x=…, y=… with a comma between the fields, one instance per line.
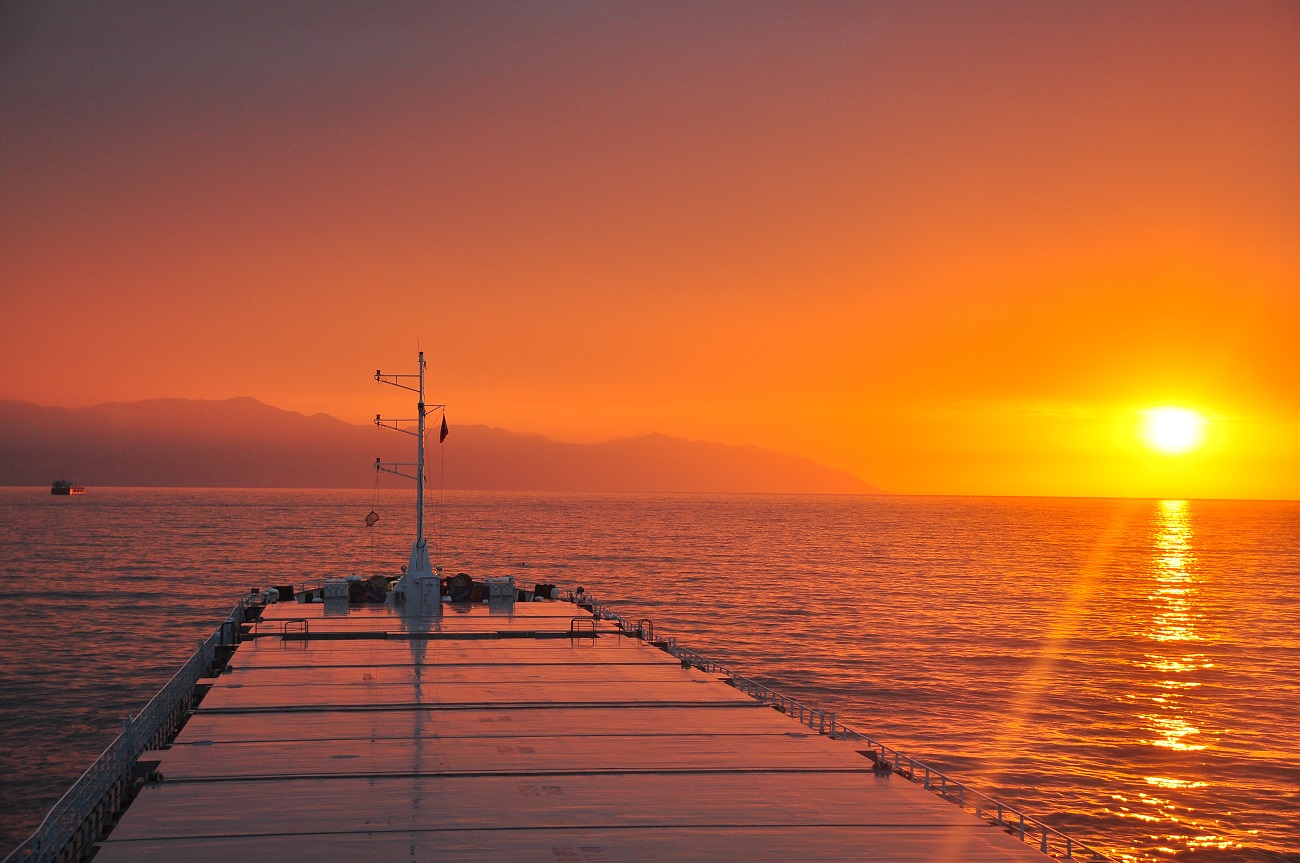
x=63, y=486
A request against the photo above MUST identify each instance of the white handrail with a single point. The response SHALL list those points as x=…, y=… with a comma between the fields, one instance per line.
x=88, y=809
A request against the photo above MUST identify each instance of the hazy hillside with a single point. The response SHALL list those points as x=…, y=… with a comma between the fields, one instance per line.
x=244, y=443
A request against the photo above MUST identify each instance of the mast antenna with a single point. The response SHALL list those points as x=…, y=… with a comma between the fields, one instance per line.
x=419, y=578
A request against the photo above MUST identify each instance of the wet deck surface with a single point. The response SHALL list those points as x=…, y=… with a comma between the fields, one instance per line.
x=469, y=738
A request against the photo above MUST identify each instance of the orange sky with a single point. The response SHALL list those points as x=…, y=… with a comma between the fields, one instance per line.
x=949, y=248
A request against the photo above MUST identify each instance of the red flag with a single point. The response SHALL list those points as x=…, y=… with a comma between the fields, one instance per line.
x=442, y=435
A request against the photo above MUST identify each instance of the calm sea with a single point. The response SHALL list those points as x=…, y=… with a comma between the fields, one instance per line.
x=1130, y=668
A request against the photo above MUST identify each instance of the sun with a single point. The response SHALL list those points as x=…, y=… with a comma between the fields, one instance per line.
x=1171, y=430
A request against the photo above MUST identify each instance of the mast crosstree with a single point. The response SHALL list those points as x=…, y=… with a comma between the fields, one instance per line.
x=419, y=583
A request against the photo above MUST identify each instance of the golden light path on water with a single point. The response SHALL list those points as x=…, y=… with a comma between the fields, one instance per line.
x=1174, y=619
x=1175, y=630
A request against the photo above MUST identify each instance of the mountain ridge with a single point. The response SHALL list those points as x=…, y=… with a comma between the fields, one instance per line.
x=243, y=442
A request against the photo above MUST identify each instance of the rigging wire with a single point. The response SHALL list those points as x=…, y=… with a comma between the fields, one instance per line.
x=367, y=533
x=371, y=519
x=442, y=478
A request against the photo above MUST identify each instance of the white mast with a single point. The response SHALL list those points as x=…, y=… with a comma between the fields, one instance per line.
x=419, y=462
x=420, y=586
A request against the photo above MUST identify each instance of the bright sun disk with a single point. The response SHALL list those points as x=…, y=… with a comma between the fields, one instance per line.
x=1171, y=430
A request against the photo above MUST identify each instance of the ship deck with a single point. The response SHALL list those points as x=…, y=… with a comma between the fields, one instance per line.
x=493, y=736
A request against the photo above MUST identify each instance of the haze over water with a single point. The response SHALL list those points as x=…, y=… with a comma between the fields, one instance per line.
x=1127, y=667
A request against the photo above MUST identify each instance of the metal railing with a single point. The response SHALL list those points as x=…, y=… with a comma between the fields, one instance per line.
x=582, y=627
x=1028, y=829
x=89, y=809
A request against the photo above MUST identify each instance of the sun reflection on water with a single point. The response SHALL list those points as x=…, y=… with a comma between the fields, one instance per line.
x=1175, y=630
x=1175, y=617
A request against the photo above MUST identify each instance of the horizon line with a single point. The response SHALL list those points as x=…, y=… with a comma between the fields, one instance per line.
x=876, y=494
